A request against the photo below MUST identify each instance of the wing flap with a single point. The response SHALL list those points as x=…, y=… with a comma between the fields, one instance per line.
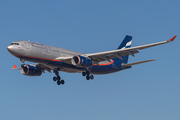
x=119, y=55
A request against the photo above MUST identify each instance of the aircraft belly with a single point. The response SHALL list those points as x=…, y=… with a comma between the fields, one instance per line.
x=70, y=70
x=103, y=69
x=106, y=69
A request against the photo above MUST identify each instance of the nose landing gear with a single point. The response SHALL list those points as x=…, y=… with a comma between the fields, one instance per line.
x=58, y=78
x=22, y=60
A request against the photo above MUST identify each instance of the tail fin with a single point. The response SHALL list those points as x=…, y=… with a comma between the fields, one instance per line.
x=126, y=43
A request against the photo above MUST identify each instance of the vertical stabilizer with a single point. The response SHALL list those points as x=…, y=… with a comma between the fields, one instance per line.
x=126, y=43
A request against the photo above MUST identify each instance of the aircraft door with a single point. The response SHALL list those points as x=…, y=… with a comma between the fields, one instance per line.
x=27, y=45
x=47, y=50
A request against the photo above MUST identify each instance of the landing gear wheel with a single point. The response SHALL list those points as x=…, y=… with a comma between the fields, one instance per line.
x=84, y=73
x=57, y=77
x=91, y=77
x=58, y=82
x=62, y=82
x=54, y=78
x=87, y=77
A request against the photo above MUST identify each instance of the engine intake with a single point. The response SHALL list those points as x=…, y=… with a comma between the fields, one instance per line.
x=81, y=61
x=29, y=70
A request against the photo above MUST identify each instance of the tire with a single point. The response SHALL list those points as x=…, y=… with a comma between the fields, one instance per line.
x=58, y=82
x=54, y=78
x=62, y=82
x=83, y=73
x=87, y=77
x=91, y=77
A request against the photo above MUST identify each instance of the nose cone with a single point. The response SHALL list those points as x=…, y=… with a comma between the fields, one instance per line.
x=11, y=49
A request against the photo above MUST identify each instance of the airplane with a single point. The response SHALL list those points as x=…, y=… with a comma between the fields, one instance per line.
x=49, y=58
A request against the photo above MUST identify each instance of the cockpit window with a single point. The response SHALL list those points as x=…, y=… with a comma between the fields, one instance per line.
x=14, y=44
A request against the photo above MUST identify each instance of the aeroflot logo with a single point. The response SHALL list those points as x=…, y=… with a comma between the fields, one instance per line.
x=128, y=44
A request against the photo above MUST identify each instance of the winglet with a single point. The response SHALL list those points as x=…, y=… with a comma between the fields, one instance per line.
x=172, y=39
x=14, y=67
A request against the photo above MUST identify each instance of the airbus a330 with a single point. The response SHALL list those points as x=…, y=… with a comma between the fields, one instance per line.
x=49, y=58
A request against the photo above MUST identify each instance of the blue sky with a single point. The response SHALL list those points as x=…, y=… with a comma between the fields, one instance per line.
x=145, y=92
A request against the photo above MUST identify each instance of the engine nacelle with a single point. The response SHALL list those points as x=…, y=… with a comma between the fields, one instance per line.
x=81, y=61
x=30, y=70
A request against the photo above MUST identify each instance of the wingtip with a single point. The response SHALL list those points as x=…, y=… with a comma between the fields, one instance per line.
x=154, y=59
x=14, y=67
x=172, y=39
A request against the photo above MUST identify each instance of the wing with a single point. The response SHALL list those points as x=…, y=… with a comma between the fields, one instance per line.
x=39, y=66
x=106, y=56
x=43, y=67
x=123, y=52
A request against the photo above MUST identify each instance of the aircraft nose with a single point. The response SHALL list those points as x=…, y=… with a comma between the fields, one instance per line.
x=9, y=48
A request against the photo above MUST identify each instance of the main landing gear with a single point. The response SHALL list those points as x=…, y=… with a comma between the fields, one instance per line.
x=58, y=78
x=88, y=76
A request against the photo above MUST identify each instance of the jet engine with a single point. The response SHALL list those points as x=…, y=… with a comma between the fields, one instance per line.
x=30, y=70
x=81, y=61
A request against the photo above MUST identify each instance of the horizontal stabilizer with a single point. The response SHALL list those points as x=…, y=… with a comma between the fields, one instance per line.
x=130, y=64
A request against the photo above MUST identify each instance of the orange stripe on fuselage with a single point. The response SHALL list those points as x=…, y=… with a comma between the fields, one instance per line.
x=105, y=63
